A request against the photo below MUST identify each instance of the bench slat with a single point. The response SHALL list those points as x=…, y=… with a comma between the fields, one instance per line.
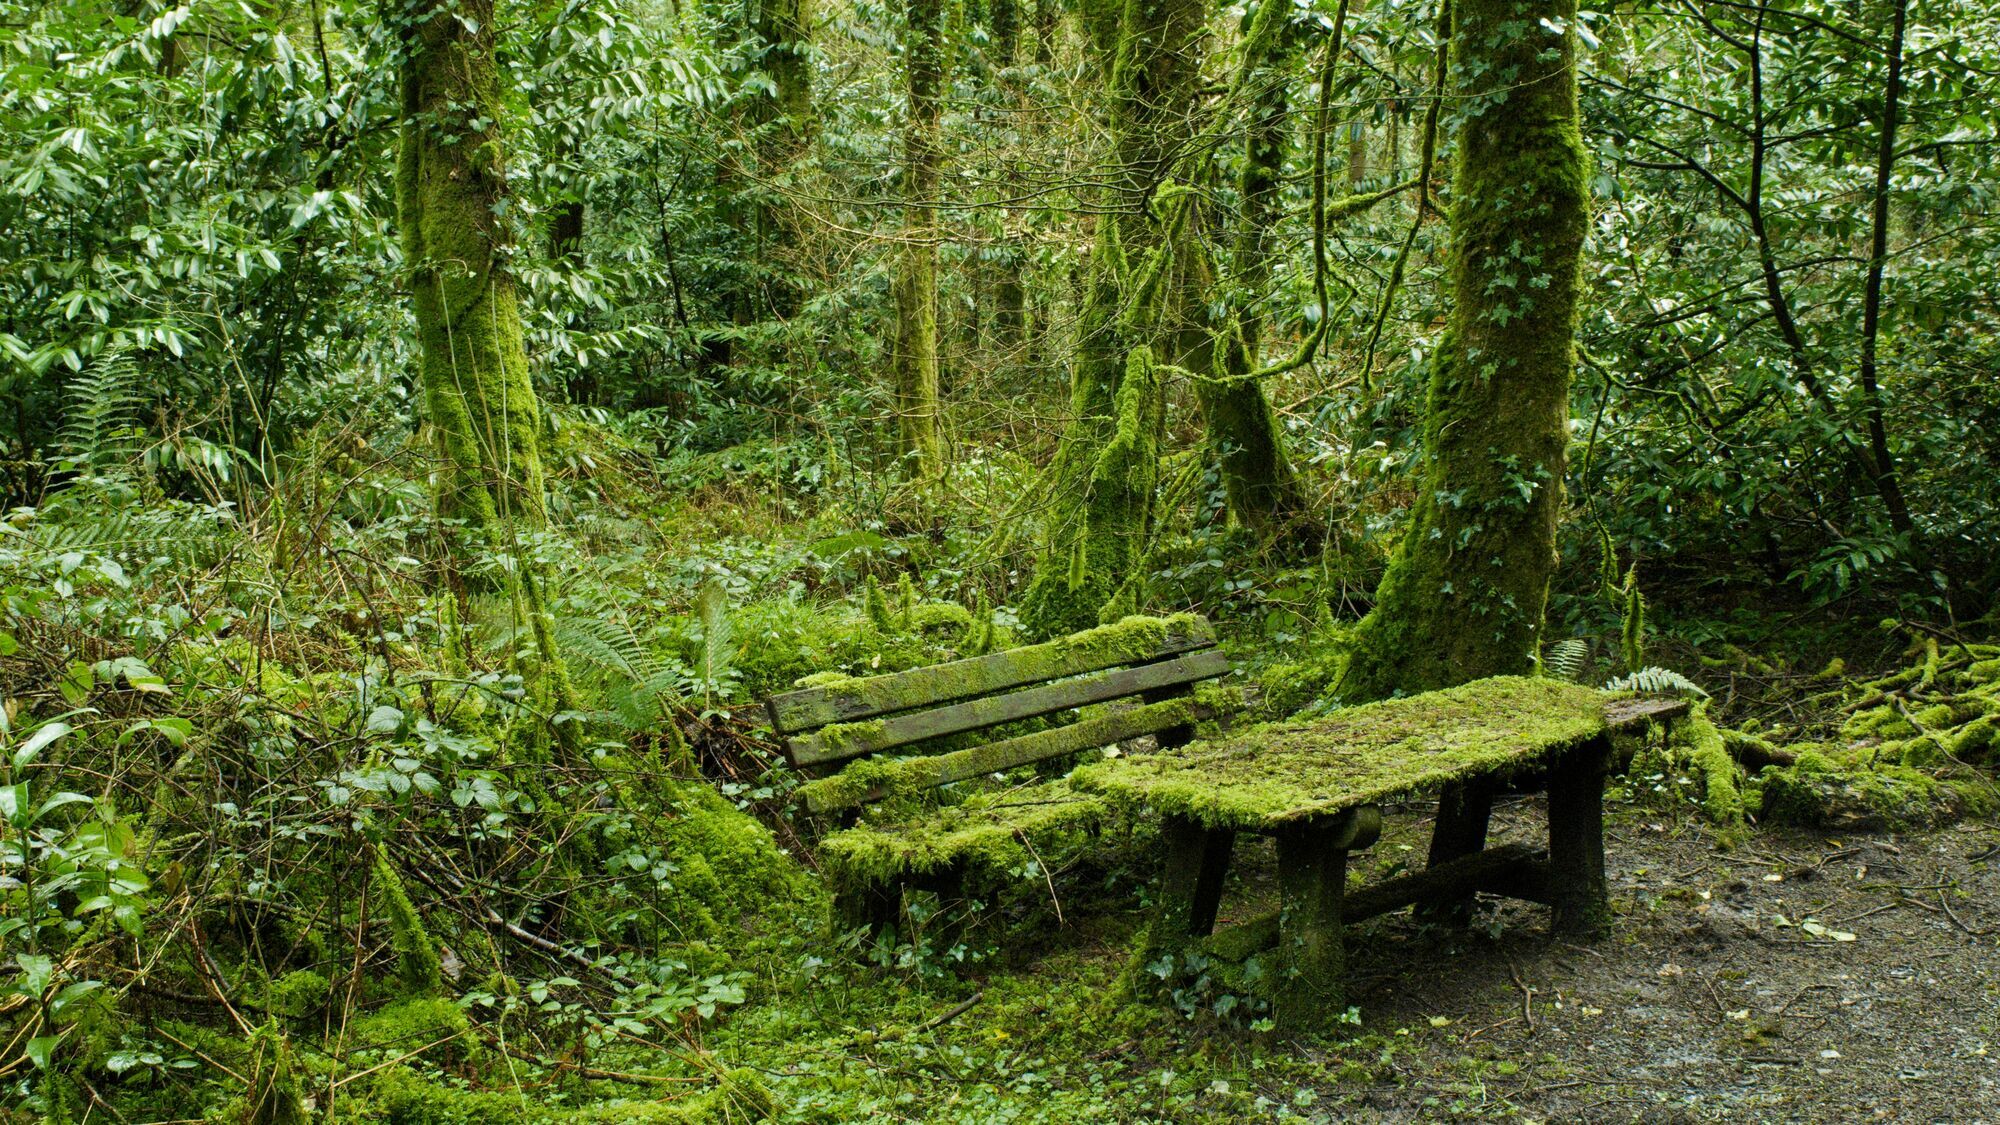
x=1132, y=641
x=1099, y=730
x=1047, y=699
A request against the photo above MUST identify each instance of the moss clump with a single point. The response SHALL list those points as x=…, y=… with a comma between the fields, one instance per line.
x=988, y=831
x=299, y=994
x=739, y=1098
x=1834, y=791
x=416, y=956
x=1265, y=776
x=431, y=1022
x=728, y=869
x=399, y=1096
x=1708, y=754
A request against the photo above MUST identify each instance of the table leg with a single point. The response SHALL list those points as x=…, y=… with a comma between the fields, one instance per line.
x=1310, y=984
x=1197, y=859
x=1579, y=904
x=1464, y=810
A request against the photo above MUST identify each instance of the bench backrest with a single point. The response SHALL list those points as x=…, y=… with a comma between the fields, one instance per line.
x=1157, y=660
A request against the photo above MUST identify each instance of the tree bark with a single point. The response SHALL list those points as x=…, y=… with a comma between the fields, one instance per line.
x=1243, y=435
x=1465, y=591
x=1087, y=568
x=914, y=352
x=450, y=184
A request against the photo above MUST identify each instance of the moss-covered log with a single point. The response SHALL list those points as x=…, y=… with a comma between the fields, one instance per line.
x=913, y=357
x=1465, y=591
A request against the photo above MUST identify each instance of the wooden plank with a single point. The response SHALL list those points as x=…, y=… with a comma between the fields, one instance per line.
x=1089, y=734
x=1621, y=715
x=916, y=726
x=1110, y=646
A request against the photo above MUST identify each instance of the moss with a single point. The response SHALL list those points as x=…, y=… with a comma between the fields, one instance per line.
x=1819, y=791
x=1465, y=592
x=913, y=355
x=431, y=1022
x=1269, y=775
x=728, y=868
x=1708, y=754
x=740, y=1097
x=399, y=1096
x=417, y=962
x=1975, y=741
x=1130, y=640
x=896, y=780
x=1102, y=576
x=991, y=831
x=300, y=993
x=273, y=1098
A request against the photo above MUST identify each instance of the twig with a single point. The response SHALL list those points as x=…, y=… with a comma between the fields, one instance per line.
x=1956, y=920
x=1527, y=996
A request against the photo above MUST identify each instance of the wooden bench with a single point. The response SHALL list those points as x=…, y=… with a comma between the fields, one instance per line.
x=1318, y=787
x=884, y=745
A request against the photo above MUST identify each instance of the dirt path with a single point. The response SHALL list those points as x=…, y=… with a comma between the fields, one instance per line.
x=1794, y=978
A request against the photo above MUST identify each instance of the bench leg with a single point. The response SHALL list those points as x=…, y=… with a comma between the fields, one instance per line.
x=1310, y=983
x=1463, y=812
x=1579, y=905
x=872, y=905
x=948, y=884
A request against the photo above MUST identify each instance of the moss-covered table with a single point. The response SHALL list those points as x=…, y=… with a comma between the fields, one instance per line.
x=1318, y=787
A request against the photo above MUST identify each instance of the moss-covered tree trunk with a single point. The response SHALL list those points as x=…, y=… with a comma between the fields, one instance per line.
x=450, y=187
x=913, y=354
x=449, y=183
x=1243, y=435
x=786, y=123
x=1465, y=591
x=1087, y=565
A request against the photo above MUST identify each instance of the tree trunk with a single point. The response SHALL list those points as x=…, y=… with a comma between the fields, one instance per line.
x=1465, y=592
x=1243, y=435
x=914, y=353
x=450, y=184
x=786, y=124
x=1088, y=565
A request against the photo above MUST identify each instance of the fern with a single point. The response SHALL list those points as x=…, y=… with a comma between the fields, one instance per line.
x=1657, y=681
x=101, y=411
x=640, y=685
x=1567, y=659
x=712, y=607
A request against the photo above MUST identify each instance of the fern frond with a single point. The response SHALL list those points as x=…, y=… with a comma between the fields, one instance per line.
x=1657, y=681
x=1566, y=659
x=712, y=607
x=102, y=406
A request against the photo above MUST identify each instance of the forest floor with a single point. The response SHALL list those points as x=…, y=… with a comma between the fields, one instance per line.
x=1792, y=977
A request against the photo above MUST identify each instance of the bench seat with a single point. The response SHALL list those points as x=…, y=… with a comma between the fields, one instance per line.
x=996, y=829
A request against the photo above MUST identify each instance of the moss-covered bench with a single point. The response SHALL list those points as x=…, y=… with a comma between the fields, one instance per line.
x=886, y=745
x=1318, y=787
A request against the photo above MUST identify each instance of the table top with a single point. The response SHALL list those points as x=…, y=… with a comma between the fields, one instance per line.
x=1267, y=776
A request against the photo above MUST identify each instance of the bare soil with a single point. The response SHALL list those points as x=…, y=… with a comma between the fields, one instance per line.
x=1795, y=977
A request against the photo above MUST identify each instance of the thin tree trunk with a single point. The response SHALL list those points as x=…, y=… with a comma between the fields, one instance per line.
x=1887, y=482
x=1465, y=592
x=914, y=354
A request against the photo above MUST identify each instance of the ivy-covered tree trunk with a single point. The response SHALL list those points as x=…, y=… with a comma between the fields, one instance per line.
x=1086, y=569
x=914, y=353
x=450, y=186
x=1243, y=435
x=1465, y=591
